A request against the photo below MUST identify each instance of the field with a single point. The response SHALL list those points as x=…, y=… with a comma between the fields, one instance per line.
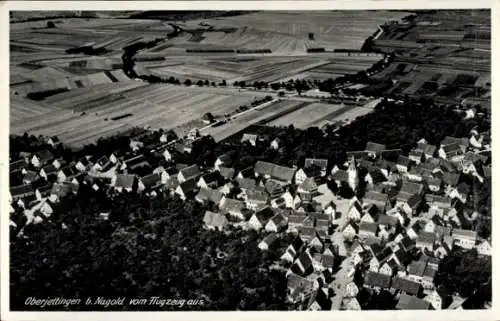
x=81, y=116
x=67, y=79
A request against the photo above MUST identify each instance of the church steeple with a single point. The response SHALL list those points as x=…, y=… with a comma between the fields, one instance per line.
x=352, y=173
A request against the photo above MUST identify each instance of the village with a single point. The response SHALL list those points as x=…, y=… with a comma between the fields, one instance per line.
x=393, y=238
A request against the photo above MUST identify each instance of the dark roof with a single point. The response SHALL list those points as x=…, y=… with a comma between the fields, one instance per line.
x=49, y=169
x=322, y=300
x=403, y=160
x=409, y=302
x=417, y=268
x=340, y=175
x=377, y=279
x=21, y=190
x=125, y=180
x=374, y=147
x=405, y=285
x=368, y=227
x=189, y=172
x=275, y=171
x=407, y=243
x=411, y=188
x=306, y=261
x=463, y=188
x=387, y=220
x=151, y=180
x=278, y=220
x=213, y=177
x=321, y=163
x=451, y=178
x=426, y=148
x=44, y=156
x=188, y=186
x=402, y=256
x=17, y=165
x=452, y=148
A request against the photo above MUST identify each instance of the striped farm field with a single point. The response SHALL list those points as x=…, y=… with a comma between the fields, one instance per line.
x=304, y=117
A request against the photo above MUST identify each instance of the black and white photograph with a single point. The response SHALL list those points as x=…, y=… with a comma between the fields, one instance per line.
x=249, y=160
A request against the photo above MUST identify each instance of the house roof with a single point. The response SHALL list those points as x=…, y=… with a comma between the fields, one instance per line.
x=257, y=196
x=190, y=172
x=368, y=227
x=375, y=197
x=448, y=140
x=215, y=219
x=387, y=220
x=438, y=200
x=411, y=188
x=273, y=187
x=227, y=172
x=405, y=285
x=21, y=190
x=44, y=155
x=151, y=180
x=464, y=234
x=270, y=239
x=403, y=161
x=409, y=302
x=212, y=177
x=374, y=147
x=248, y=136
x=209, y=194
x=452, y=148
x=17, y=165
x=426, y=148
x=225, y=159
x=340, y=175
x=377, y=279
x=49, y=169
x=246, y=183
x=320, y=162
x=30, y=176
x=451, y=178
x=308, y=185
x=426, y=237
x=63, y=189
x=278, y=220
x=417, y=268
x=188, y=186
x=276, y=171
x=125, y=180
x=463, y=188
x=231, y=205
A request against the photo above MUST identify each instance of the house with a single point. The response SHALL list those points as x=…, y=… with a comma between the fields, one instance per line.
x=83, y=164
x=451, y=151
x=416, y=156
x=308, y=186
x=484, y=248
x=232, y=207
x=321, y=301
x=41, y=158
x=215, y=221
x=426, y=240
x=275, y=144
x=135, y=145
x=125, y=182
x=149, y=182
x=299, y=289
x=210, y=180
x=274, y=188
x=250, y=138
x=102, y=163
x=276, y=224
x=186, y=188
x=266, y=243
x=380, y=200
x=367, y=230
x=426, y=149
x=450, y=179
x=355, y=211
x=461, y=192
x=408, y=203
x=403, y=163
x=320, y=163
x=270, y=170
x=296, y=221
x=464, y=238
x=307, y=233
x=167, y=155
x=226, y=172
x=435, y=300
x=48, y=171
x=189, y=173
x=58, y=163
x=375, y=280
x=61, y=190
x=43, y=191
x=405, y=286
x=255, y=199
x=66, y=174
x=17, y=165
x=434, y=184
x=223, y=160
x=206, y=195
x=374, y=149
x=351, y=290
x=292, y=250
x=303, y=265
x=30, y=177
x=410, y=302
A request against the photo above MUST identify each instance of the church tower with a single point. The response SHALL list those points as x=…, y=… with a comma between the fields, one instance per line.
x=352, y=173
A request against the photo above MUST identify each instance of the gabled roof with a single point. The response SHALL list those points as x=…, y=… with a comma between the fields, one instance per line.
x=405, y=285
x=417, y=268
x=227, y=172
x=270, y=239
x=409, y=302
x=320, y=162
x=189, y=172
x=375, y=197
x=208, y=194
x=308, y=185
x=278, y=220
x=215, y=219
x=246, y=183
x=451, y=178
x=426, y=237
x=188, y=186
x=340, y=175
x=125, y=180
x=374, y=147
x=403, y=161
x=151, y=180
x=387, y=220
x=231, y=205
x=49, y=169
x=213, y=177
x=257, y=196
x=426, y=148
x=17, y=165
x=276, y=171
x=377, y=279
x=44, y=155
x=21, y=189
x=411, y=188
x=368, y=227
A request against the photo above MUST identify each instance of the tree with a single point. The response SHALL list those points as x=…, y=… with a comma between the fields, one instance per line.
x=187, y=82
x=50, y=24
